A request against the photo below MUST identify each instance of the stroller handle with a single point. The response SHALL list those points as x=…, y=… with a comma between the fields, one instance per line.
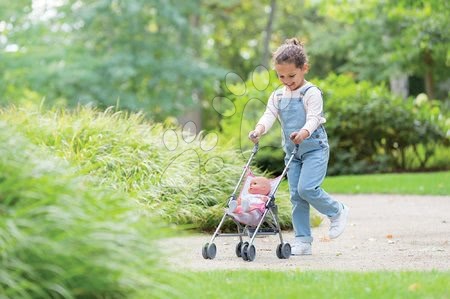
x=255, y=148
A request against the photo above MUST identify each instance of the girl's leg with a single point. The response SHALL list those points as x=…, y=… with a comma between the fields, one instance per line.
x=313, y=172
x=300, y=207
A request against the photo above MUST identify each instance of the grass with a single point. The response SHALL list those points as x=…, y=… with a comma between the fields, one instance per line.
x=318, y=284
x=434, y=183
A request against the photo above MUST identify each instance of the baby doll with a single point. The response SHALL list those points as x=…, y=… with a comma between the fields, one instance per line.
x=256, y=198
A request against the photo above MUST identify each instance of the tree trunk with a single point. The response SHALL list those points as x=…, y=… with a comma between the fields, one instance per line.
x=191, y=121
x=429, y=80
x=399, y=85
x=192, y=116
x=268, y=35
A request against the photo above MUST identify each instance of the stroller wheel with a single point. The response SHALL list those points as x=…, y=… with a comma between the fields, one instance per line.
x=205, y=251
x=283, y=251
x=209, y=251
x=243, y=251
x=248, y=252
x=238, y=249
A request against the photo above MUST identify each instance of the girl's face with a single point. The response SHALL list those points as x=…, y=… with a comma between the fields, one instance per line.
x=290, y=75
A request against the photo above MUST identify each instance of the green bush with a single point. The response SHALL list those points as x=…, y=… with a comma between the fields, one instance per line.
x=185, y=179
x=372, y=131
x=61, y=237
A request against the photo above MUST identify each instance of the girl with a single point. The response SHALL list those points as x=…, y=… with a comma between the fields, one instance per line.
x=299, y=107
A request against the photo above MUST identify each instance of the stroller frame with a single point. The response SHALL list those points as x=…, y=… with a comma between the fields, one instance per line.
x=246, y=250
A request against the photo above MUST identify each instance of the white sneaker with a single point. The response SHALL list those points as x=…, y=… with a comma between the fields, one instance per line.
x=301, y=248
x=338, y=223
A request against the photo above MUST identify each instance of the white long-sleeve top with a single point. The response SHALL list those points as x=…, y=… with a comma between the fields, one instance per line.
x=312, y=102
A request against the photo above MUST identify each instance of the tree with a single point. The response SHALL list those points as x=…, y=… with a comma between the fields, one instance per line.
x=385, y=38
x=136, y=54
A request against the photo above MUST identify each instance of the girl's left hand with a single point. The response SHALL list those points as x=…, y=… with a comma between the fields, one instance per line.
x=298, y=137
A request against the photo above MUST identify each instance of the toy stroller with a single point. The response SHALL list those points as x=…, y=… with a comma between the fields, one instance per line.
x=246, y=225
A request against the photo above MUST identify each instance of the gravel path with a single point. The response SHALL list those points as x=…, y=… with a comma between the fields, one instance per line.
x=384, y=232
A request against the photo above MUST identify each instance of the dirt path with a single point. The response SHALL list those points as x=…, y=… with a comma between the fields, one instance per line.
x=385, y=232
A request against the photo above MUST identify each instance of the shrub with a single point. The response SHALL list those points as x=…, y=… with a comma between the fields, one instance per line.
x=372, y=131
x=63, y=238
x=186, y=183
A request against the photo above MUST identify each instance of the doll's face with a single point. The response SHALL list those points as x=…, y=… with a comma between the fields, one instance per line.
x=259, y=185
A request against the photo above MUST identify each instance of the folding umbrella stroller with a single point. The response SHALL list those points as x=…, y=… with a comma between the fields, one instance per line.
x=251, y=224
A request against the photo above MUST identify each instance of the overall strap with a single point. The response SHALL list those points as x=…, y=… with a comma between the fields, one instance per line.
x=305, y=89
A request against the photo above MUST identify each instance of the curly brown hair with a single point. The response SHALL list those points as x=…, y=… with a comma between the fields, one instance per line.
x=291, y=51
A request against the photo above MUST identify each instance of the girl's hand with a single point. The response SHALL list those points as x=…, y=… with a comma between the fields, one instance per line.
x=254, y=136
x=256, y=133
x=298, y=137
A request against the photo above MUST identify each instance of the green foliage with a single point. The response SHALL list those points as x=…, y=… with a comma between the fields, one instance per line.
x=134, y=54
x=372, y=131
x=164, y=57
x=378, y=40
x=62, y=237
x=184, y=178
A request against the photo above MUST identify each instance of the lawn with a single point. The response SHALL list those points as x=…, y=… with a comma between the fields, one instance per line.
x=433, y=183
x=317, y=284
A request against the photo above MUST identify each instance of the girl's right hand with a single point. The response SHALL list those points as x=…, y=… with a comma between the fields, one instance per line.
x=254, y=136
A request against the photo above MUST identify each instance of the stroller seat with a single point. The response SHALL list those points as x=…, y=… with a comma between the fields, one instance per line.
x=253, y=217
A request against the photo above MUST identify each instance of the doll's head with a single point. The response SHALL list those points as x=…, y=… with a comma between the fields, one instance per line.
x=259, y=185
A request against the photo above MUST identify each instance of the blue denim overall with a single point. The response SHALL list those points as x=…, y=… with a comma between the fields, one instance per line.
x=307, y=169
